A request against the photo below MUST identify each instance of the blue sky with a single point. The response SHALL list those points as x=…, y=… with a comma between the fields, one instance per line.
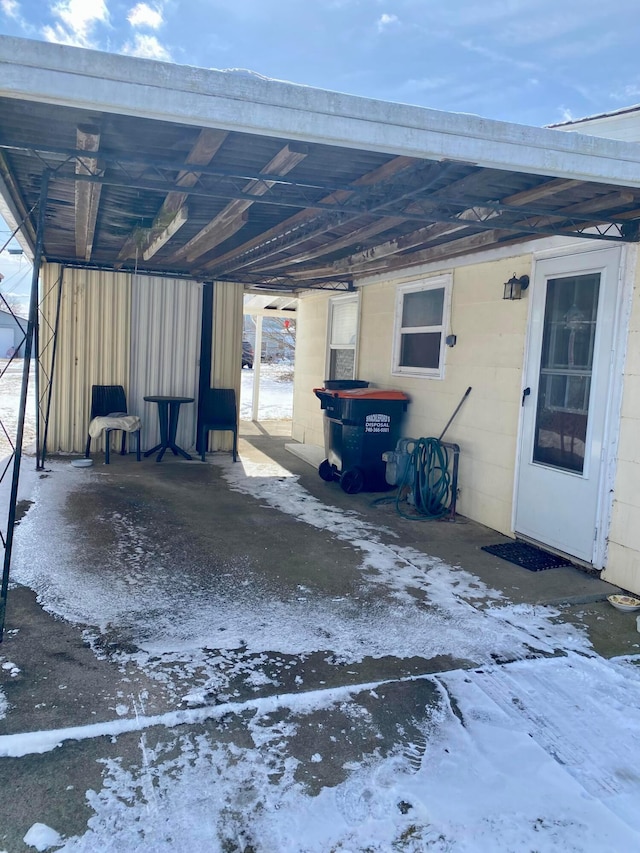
x=528, y=61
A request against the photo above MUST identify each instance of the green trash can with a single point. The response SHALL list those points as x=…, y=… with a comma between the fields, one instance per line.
x=360, y=424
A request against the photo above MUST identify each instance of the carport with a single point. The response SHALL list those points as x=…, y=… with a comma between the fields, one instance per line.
x=114, y=167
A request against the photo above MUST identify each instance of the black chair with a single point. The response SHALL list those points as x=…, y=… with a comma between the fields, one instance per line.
x=218, y=411
x=111, y=400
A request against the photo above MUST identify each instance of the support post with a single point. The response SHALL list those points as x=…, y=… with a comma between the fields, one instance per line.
x=257, y=362
x=41, y=455
x=17, y=456
x=206, y=354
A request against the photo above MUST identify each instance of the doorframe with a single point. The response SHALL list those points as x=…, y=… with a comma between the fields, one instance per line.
x=628, y=256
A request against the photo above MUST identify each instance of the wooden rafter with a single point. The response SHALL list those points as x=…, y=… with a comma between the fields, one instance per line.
x=592, y=205
x=335, y=245
x=173, y=213
x=372, y=258
x=382, y=173
x=87, y=194
x=553, y=187
x=233, y=216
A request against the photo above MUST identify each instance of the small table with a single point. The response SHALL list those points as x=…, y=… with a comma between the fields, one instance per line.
x=168, y=412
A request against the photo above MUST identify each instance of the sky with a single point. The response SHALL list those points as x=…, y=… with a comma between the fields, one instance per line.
x=531, y=63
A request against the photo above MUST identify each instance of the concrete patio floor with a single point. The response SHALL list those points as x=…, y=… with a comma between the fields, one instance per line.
x=162, y=604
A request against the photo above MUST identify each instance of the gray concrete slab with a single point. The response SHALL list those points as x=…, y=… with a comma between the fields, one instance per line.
x=178, y=531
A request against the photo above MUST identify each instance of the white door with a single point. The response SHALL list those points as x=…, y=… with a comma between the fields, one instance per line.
x=565, y=398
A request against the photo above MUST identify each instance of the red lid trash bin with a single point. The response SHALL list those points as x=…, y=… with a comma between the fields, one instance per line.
x=360, y=424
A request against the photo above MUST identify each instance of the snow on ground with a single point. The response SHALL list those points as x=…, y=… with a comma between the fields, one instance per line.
x=10, y=386
x=170, y=618
x=537, y=754
x=489, y=774
x=276, y=392
x=42, y=837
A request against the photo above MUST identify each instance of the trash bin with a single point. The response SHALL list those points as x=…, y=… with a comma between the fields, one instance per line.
x=344, y=384
x=360, y=424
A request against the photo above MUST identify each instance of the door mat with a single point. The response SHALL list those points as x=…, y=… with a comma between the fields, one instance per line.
x=527, y=556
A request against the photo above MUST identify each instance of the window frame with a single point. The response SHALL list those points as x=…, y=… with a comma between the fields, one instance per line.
x=442, y=282
x=333, y=302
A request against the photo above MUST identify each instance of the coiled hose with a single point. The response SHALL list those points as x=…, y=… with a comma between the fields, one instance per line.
x=427, y=478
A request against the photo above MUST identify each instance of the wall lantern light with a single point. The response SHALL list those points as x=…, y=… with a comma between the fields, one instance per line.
x=515, y=286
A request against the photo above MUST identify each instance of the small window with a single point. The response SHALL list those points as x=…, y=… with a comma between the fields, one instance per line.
x=343, y=333
x=422, y=314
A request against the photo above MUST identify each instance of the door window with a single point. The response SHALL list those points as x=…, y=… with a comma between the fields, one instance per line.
x=566, y=366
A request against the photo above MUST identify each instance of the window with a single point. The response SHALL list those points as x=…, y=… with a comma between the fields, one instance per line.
x=343, y=333
x=422, y=314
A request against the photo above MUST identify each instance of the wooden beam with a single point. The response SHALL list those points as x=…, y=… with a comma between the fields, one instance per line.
x=387, y=170
x=557, y=185
x=356, y=236
x=87, y=195
x=593, y=205
x=217, y=230
x=424, y=235
x=227, y=226
x=398, y=244
x=156, y=239
x=472, y=242
x=202, y=152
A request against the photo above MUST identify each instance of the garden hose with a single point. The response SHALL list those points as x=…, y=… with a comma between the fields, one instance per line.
x=427, y=478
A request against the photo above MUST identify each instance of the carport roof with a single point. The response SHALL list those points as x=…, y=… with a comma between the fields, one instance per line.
x=213, y=175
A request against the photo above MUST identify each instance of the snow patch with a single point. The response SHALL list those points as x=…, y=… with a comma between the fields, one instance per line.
x=42, y=837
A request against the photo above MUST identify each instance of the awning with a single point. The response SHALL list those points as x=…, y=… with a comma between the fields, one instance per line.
x=165, y=169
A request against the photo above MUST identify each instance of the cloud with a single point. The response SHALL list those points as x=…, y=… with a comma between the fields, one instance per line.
x=147, y=47
x=143, y=15
x=424, y=84
x=629, y=94
x=11, y=9
x=385, y=21
x=496, y=56
x=77, y=21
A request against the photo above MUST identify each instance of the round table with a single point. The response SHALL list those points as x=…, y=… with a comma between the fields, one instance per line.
x=168, y=413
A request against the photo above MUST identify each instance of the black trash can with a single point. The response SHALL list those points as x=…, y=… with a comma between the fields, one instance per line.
x=360, y=424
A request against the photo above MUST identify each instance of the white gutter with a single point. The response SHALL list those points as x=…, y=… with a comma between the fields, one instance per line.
x=70, y=76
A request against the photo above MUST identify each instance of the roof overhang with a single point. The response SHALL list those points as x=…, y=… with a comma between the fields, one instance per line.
x=181, y=171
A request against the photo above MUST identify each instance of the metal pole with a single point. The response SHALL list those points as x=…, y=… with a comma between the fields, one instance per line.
x=17, y=456
x=458, y=407
x=206, y=355
x=36, y=358
x=54, y=350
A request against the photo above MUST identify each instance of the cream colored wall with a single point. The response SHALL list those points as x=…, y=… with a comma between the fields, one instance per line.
x=623, y=562
x=309, y=371
x=488, y=357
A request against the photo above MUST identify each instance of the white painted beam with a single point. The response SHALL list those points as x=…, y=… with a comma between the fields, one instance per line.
x=271, y=312
x=257, y=365
x=59, y=74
